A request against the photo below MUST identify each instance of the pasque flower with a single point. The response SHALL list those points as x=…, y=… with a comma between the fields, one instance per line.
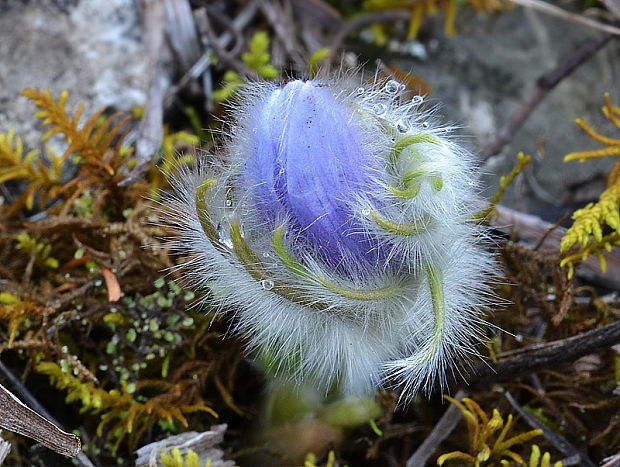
x=335, y=225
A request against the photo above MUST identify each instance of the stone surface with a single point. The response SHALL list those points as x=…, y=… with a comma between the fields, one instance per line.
x=480, y=77
x=92, y=48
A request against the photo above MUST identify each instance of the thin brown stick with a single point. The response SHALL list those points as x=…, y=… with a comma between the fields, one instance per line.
x=441, y=431
x=224, y=57
x=544, y=85
x=538, y=232
x=282, y=22
x=558, y=441
x=150, y=130
x=567, y=15
x=552, y=353
x=361, y=22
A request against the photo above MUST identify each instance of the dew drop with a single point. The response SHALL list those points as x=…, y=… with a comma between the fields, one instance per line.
x=392, y=87
x=360, y=91
x=228, y=203
x=417, y=100
x=265, y=254
x=379, y=109
x=266, y=284
x=366, y=211
x=402, y=126
x=281, y=172
x=425, y=124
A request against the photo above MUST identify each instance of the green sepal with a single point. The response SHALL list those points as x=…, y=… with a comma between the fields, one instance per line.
x=435, y=282
x=414, y=228
x=414, y=139
x=410, y=192
x=250, y=261
x=437, y=181
x=347, y=292
x=205, y=218
x=286, y=258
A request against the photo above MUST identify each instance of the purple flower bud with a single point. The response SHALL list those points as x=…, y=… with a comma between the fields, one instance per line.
x=308, y=164
x=338, y=224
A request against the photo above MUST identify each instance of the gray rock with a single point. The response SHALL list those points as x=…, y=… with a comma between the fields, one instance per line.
x=481, y=76
x=92, y=48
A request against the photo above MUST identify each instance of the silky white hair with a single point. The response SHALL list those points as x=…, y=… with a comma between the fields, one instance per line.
x=438, y=273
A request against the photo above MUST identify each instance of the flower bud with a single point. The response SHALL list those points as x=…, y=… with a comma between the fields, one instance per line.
x=306, y=164
x=336, y=224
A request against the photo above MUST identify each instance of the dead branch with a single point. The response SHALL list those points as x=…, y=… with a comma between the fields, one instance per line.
x=362, y=22
x=538, y=357
x=17, y=417
x=558, y=441
x=441, y=431
x=150, y=131
x=567, y=15
x=544, y=85
x=281, y=20
x=532, y=229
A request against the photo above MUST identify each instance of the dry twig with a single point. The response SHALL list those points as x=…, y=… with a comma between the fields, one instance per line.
x=358, y=23
x=17, y=417
x=534, y=230
x=281, y=19
x=544, y=85
x=547, y=355
x=575, y=18
x=558, y=441
x=442, y=430
x=150, y=131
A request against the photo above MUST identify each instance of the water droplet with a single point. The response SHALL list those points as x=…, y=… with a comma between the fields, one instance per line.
x=228, y=202
x=425, y=124
x=265, y=254
x=360, y=91
x=380, y=109
x=366, y=211
x=281, y=172
x=266, y=284
x=402, y=126
x=392, y=87
x=417, y=100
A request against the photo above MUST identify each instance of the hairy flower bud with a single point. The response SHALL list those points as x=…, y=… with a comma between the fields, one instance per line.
x=336, y=224
x=306, y=164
